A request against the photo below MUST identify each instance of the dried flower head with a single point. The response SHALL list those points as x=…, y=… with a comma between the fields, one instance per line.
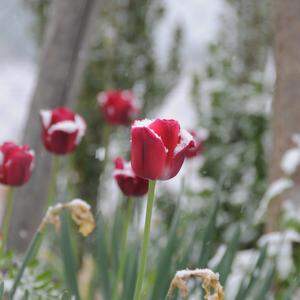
x=80, y=212
x=210, y=281
x=82, y=216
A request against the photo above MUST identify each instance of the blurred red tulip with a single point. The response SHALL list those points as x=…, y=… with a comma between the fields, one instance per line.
x=128, y=182
x=62, y=130
x=16, y=164
x=158, y=148
x=200, y=137
x=118, y=107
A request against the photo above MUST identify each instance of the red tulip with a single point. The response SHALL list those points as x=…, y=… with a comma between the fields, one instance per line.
x=62, y=130
x=128, y=182
x=158, y=148
x=118, y=107
x=16, y=164
x=200, y=137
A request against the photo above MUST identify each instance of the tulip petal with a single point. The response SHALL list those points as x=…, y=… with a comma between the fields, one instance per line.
x=168, y=130
x=174, y=164
x=148, y=153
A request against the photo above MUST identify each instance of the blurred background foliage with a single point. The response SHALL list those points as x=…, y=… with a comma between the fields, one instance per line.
x=230, y=95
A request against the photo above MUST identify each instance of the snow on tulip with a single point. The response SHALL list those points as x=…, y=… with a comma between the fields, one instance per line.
x=128, y=182
x=200, y=136
x=118, y=107
x=158, y=148
x=16, y=164
x=62, y=130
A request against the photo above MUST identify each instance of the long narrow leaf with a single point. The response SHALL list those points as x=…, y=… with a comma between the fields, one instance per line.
x=246, y=286
x=208, y=235
x=1, y=290
x=131, y=272
x=103, y=258
x=266, y=284
x=164, y=269
x=224, y=267
x=69, y=261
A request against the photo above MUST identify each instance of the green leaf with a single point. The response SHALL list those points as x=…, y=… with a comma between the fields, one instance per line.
x=224, y=267
x=131, y=271
x=69, y=261
x=102, y=257
x=265, y=284
x=164, y=266
x=246, y=286
x=1, y=290
x=26, y=295
x=66, y=296
x=209, y=235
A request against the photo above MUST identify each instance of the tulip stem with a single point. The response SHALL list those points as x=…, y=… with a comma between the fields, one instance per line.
x=123, y=252
x=7, y=217
x=106, y=139
x=31, y=251
x=143, y=256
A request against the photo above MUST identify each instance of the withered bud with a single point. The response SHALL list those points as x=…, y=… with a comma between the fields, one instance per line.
x=210, y=281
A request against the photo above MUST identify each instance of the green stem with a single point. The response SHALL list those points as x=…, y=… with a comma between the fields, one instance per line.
x=31, y=251
x=53, y=182
x=106, y=139
x=7, y=217
x=123, y=248
x=143, y=257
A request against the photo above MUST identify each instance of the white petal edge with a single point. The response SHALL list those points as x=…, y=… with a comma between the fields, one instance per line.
x=46, y=117
x=126, y=171
x=65, y=126
x=1, y=158
x=145, y=124
x=81, y=125
x=186, y=138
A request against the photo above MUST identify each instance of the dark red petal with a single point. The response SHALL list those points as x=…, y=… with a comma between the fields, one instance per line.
x=148, y=154
x=62, y=114
x=119, y=163
x=132, y=186
x=60, y=142
x=168, y=130
x=174, y=163
x=18, y=168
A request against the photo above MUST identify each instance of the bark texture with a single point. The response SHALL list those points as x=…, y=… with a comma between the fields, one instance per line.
x=63, y=59
x=286, y=103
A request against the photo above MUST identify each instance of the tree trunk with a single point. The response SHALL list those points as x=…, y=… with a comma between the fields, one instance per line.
x=62, y=64
x=286, y=103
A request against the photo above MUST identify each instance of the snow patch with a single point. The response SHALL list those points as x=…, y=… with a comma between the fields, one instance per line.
x=186, y=139
x=290, y=161
x=46, y=116
x=65, y=126
x=280, y=247
x=81, y=125
x=274, y=190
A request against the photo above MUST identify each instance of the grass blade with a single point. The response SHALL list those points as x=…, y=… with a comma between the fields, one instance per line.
x=102, y=257
x=266, y=284
x=208, y=235
x=224, y=267
x=69, y=261
x=246, y=287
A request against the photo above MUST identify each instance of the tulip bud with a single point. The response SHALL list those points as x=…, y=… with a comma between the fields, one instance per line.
x=62, y=130
x=16, y=164
x=200, y=136
x=118, y=107
x=128, y=182
x=158, y=148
